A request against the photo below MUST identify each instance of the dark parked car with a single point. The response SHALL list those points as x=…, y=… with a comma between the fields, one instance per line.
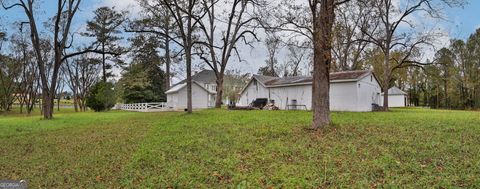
x=259, y=103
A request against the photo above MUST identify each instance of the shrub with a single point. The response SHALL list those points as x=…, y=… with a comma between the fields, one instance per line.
x=101, y=97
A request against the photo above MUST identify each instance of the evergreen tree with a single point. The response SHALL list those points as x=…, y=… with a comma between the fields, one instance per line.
x=105, y=27
x=143, y=80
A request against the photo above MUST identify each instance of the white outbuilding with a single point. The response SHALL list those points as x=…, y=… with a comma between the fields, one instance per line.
x=396, y=98
x=355, y=91
x=203, y=92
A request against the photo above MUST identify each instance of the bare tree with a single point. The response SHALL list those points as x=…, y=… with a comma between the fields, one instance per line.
x=59, y=91
x=10, y=71
x=186, y=15
x=273, y=43
x=239, y=25
x=28, y=83
x=82, y=74
x=71, y=72
x=316, y=26
x=298, y=53
x=348, y=39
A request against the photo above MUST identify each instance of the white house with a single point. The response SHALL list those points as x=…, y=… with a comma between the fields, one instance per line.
x=396, y=98
x=203, y=92
x=349, y=91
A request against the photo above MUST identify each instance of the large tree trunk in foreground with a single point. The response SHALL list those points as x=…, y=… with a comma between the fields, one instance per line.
x=188, y=56
x=385, y=98
x=47, y=105
x=386, y=78
x=218, y=99
x=322, y=36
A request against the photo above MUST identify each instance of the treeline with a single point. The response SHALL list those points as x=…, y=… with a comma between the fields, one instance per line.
x=452, y=81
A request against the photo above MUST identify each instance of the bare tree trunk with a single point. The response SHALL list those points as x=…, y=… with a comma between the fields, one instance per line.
x=386, y=78
x=75, y=103
x=168, y=60
x=84, y=107
x=104, y=69
x=33, y=97
x=188, y=56
x=322, y=59
x=21, y=99
x=47, y=105
x=218, y=100
x=447, y=105
x=59, y=93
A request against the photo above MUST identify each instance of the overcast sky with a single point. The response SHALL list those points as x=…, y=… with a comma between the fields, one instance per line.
x=460, y=23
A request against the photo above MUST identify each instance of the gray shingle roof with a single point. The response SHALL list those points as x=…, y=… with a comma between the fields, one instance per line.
x=264, y=79
x=205, y=76
x=180, y=86
x=396, y=91
x=336, y=76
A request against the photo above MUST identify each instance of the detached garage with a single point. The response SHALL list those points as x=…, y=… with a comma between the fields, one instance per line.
x=396, y=98
x=349, y=91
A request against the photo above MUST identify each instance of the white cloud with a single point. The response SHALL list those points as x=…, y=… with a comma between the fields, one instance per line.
x=128, y=5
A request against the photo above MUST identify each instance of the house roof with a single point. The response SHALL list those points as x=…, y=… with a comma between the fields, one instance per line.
x=396, y=91
x=204, y=76
x=349, y=75
x=180, y=86
x=176, y=88
x=334, y=77
x=264, y=79
x=346, y=76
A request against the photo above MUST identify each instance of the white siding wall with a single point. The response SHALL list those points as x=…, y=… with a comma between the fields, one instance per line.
x=172, y=100
x=395, y=101
x=283, y=96
x=252, y=92
x=342, y=96
x=368, y=93
x=200, y=98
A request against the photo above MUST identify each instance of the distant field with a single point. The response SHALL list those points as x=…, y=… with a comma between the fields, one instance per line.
x=412, y=148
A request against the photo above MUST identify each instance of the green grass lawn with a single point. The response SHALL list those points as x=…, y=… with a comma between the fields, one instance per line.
x=413, y=148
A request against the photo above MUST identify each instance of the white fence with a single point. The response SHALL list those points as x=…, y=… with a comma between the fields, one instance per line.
x=146, y=107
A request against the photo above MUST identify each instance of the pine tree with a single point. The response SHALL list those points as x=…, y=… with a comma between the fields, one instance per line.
x=105, y=27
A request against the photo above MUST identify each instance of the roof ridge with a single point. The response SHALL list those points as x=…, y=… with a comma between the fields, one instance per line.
x=354, y=75
x=349, y=71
